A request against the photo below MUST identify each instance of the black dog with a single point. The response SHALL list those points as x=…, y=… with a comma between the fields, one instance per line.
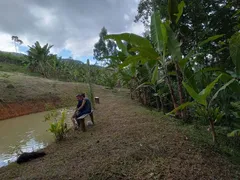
x=27, y=156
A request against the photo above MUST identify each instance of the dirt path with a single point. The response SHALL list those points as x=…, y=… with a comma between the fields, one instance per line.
x=127, y=142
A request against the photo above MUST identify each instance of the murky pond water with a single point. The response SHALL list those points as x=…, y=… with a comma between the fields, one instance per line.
x=25, y=133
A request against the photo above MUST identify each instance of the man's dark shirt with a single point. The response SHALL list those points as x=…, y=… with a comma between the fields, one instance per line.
x=87, y=106
x=79, y=103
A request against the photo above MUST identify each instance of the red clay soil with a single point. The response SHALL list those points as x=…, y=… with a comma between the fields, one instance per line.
x=15, y=109
x=21, y=94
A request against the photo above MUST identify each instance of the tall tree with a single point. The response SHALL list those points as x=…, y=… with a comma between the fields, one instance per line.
x=16, y=41
x=200, y=20
x=104, y=48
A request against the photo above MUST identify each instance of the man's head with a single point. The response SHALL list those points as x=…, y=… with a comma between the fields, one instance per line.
x=80, y=96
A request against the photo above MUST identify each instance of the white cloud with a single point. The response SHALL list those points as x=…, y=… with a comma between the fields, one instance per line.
x=71, y=25
x=92, y=61
x=81, y=47
x=126, y=17
x=136, y=28
x=6, y=43
x=54, y=50
x=45, y=17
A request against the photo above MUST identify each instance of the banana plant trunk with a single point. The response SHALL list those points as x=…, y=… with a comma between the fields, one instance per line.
x=131, y=84
x=158, y=103
x=213, y=131
x=144, y=96
x=180, y=88
x=162, y=105
x=171, y=92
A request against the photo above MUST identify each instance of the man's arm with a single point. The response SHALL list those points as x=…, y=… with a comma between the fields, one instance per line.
x=83, y=103
x=78, y=105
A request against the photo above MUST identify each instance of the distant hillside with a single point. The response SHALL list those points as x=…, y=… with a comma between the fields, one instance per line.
x=72, y=60
x=6, y=56
x=12, y=57
x=13, y=53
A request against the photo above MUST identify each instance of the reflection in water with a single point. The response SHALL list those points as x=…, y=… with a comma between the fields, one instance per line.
x=26, y=133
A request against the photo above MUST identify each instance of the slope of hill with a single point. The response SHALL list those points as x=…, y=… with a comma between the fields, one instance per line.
x=13, y=53
x=9, y=56
x=21, y=94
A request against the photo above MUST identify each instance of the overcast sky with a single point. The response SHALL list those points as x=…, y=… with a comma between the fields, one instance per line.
x=72, y=26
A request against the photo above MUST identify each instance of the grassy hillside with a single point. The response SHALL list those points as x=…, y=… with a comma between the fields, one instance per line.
x=8, y=67
x=17, y=87
x=22, y=94
x=12, y=58
x=26, y=90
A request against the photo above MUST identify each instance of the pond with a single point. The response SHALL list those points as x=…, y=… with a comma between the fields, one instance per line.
x=25, y=133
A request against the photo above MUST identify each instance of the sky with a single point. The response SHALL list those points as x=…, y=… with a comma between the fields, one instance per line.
x=72, y=26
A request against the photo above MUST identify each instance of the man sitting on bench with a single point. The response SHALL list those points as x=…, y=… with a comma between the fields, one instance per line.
x=83, y=107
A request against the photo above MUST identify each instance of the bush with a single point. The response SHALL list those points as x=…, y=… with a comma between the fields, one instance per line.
x=58, y=127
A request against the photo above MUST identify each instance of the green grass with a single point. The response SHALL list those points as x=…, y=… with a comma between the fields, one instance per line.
x=12, y=58
x=200, y=136
x=12, y=68
x=6, y=67
x=30, y=87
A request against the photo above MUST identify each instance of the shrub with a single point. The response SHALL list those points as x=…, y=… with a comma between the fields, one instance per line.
x=58, y=127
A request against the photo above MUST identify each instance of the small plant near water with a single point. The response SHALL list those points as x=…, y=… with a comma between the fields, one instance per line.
x=58, y=127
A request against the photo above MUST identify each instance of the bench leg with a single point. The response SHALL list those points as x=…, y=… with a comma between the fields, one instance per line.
x=82, y=124
x=91, y=116
x=75, y=123
x=78, y=122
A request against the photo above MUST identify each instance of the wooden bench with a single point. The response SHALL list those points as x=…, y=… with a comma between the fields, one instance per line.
x=81, y=120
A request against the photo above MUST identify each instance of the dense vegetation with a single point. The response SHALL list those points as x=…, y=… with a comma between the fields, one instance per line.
x=187, y=63
x=40, y=62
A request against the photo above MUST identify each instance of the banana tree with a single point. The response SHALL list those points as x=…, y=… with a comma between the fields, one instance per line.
x=153, y=84
x=144, y=50
x=201, y=100
x=234, y=47
x=163, y=48
x=168, y=46
x=159, y=36
x=135, y=52
x=38, y=56
x=236, y=113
